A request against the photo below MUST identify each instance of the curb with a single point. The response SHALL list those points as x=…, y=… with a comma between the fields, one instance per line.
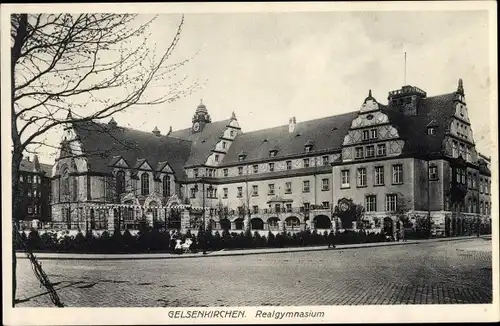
x=40, y=256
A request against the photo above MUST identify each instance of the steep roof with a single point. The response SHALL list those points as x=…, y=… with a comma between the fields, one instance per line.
x=103, y=143
x=436, y=111
x=325, y=133
x=30, y=166
x=202, y=142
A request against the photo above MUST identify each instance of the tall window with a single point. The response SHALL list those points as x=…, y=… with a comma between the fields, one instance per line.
x=255, y=168
x=240, y=192
x=195, y=171
x=391, y=202
x=362, y=177
x=216, y=157
x=145, y=184
x=225, y=191
x=255, y=190
x=433, y=172
x=397, y=174
x=271, y=189
x=120, y=182
x=193, y=192
x=454, y=149
x=306, y=162
x=166, y=186
x=359, y=152
x=345, y=179
x=371, y=203
x=226, y=172
x=326, y=160
x=370, y=151
x=271, y=167
x=240, y=170
x=64, y=183
x=288, y=188
x=379, y=175
x=366, y=134
x=288, y=165
x=381, y=150
x=306, y=186
x=325, y=184
x=373, y=133
x=224, y=145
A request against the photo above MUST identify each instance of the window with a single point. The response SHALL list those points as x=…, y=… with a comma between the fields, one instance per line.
x=144, y=184
x=362, y=177
x=255, y=190
x=326, y=204
x=210, y=192
x=195, y=171
x=391, y=202
x=241, y=157
x=325, y=184
x=216, y=157
x=366, y=134
x=120, y=182
x=469, y=178
x=454, y=149
x=277, y=208
x=379, y=176
x=307, y=207
x=255, y=168
x=240, y=192
x=370, y=151
x=308, y=149
x=255, y=209
x=271, y=167
x=371, y=203
x=481, y=185
x=359, y=152
x=29, y=193
x=288, y=188
x=231, y=133
x=462, y=149
x=397, y=174
x=210, y=172
x=21, y=178
x=193, y=192
x=224, y=145
x=306, y=162
x=272, y=153
x=288, y=165
x=431, y=131
x=38, y=179
x=240, y=170
x=166, y=186
x=30, y=210
x=271, y=189
x=226, y=172
x=326, y=160
x=474, y=180
x=344, y=176
x=30, y=178
x=305, y=186
x=289, y=208
x=225, y=191
x=374, y=133
x=481, y=207
x=381, y=150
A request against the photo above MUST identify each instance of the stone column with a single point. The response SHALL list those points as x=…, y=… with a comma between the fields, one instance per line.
x=110, y=219
x=334, y=224
x=310, y=224
x=281, y=226
x=185, y=220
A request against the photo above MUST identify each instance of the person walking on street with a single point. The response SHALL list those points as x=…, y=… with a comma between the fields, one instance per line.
x=331, y=240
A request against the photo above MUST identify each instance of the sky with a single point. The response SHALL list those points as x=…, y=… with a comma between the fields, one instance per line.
x=268, y=67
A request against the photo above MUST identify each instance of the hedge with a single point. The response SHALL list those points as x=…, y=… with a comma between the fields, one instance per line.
x=152, y=240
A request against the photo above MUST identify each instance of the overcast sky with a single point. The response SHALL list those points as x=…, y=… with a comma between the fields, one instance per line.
x=269, y=67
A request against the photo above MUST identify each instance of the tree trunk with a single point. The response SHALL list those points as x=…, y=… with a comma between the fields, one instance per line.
x=16, y=214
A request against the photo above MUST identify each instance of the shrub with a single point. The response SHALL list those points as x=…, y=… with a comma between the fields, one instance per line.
x=34, y=241
x=271, y=239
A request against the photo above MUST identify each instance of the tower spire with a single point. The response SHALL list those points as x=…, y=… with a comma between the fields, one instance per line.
x=460, y=88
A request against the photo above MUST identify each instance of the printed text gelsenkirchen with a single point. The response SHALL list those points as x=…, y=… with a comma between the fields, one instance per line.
x=178, y=314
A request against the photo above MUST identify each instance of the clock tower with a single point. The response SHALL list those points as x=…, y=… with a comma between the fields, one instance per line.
x=200, y=118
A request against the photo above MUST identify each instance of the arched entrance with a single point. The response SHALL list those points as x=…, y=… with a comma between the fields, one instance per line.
x=225, y=224
x=273, y=223
x=388, y=226
x=238, y=224
x=322, y=222
x=292, y=222
x=257, y=223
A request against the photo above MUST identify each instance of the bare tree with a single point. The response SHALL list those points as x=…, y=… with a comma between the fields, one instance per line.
x=69, y=68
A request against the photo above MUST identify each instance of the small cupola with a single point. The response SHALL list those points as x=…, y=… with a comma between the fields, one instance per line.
x=156, y=131
x=112, y=122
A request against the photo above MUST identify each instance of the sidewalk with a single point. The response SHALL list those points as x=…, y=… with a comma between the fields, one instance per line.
x=241, y=252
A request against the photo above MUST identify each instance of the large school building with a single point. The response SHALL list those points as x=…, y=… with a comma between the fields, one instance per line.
x=414, y=156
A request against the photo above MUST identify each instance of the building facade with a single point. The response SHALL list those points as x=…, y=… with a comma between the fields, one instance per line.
x=280, y=178
x=35, y=184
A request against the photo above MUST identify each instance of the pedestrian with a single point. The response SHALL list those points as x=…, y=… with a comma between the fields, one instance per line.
x=331, y=240
x=403, y=235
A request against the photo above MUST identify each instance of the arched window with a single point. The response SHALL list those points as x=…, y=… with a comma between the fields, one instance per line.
x=166, y=186
x=65, y=183
x=120, y=182
x=145, y=184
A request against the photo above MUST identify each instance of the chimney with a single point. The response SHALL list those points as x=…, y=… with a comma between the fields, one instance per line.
x=291, y=124
x=169, y=131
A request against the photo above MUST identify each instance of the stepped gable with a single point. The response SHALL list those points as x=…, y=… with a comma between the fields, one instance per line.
x=29, y=166
x=202, y=142
x=102, y=143
x=326, y=134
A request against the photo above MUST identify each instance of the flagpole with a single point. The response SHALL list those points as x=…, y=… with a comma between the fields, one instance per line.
x=405, y=70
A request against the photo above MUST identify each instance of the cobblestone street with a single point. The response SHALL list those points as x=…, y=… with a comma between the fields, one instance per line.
x=427, y=273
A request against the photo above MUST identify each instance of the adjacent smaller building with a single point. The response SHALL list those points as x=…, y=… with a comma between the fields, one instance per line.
x=35, y=183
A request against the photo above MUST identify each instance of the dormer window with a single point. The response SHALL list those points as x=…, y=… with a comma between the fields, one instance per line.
x=366, y=134
x=308, y=149
x=431, y=131
x=374, y=133
x=273, y=153
x=242, y=156
x=308, y=146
